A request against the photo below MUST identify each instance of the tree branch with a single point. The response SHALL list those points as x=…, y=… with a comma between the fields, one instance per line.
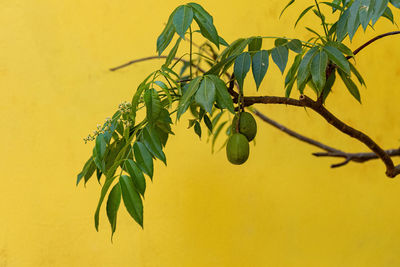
x=355, y=52
x=330, y=151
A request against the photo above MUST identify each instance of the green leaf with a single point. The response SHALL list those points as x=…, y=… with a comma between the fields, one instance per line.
x=153, y=104
x=208, y=123
x=389, y=15
x=379, y=9
x=342, y=48
x=133, y=202
x=395, y=3
x=288, y=5
x=337, y=57
x=143, y=158
x=305, y=11
x=341, y=28
x=137, y=176
x=318, y=69
x=304, y=67
x=103, y=193
x=333, y=5
x=280, y=57
x=289, y=88
x=328, y=85
x=197, y=128
x=114, y=199
x=182, y=19
x=99, y=151
x=166, y=35
x=358, y=75
x=90, y=170
x=293, y=69
x=295, y=45
x=222, y=96
x=136, y=97
x=205, y=95
x=353, y=21
x=172, y=53
x=280, y=41
x=255, y=44
x=186, y=99
x=216, y=134
x=205, y=23
x=153, y=143
x=84, y=170
x=165, y=89
x=259, y=66
x=241, y=68
x=365, y=13
x=351, y=86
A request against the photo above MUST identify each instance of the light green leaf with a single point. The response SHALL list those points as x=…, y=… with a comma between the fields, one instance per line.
x=280, y=56
x=241, y=68
x=182, y=19
x=114, y=199
x=205, y=95
x=259, y=66
x=133, y=202
x=153, y=105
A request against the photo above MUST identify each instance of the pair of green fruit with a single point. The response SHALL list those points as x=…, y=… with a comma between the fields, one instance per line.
x=244, y=129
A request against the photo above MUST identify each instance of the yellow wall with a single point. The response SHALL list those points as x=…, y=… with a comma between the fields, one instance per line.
x=282, y=208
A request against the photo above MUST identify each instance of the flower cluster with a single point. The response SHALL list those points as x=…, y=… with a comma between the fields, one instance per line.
x=99, y=130
x=125, y=107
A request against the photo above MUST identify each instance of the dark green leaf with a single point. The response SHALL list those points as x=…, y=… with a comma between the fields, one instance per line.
x=318, y=69
x=197, y=128
x=241, y=68
x=143, y=158
x=137, y=176
x=289, y=88
x=153, y=143
x=341, y=28
x=205, y=95
x=172, y=53
x=136, y=97
x=280, y=57
x=166, y=35
x=302, y=14
x=293, y=69
x=153, y=104
x=187, y=96
x=358, y=75
x=328, y=85
x=395, y=3
x=333, y=5
x=103, y=193
x=182, y=19
x=288, y=5
x=208, y=123
x=280, y=41
x=259, y=66
x=255, y=44
x=205, y=22
x=90, y=170
x=389, y=15
x=295, y=45
x=84, y=170
x=354, y=20
x=132, y=200
x=222, y=95
x=365, y=13
x=351, y=86
x=343, y=48
x=337, y=57
x=114, y=199
x=304, y=67
x=379, y=9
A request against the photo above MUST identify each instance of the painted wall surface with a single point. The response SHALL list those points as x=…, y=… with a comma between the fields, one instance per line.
x=282, y=208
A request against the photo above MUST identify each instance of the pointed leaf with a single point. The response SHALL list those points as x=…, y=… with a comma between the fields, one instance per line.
x=153, y=104
x=133, y=202
x=259, y=66
x=153, y=143
x=114, y=199
x=280, y=56
x=379, y=9
x=222, y=96
x=304, y=67
x=255, y=44
x=288, y=5
x=103, y=193
x=182, y=19
x=337, y=57
x=166, y=35
x=143, y=158
x=197, y=128
x=172, y=53
x=137, y=176
x=305, y=11
x=205, y=22
x=318, y=69
x=295, y=45
x=187, y=96
x=205, y=95
x=354, y=18
x=351, y=86
x=241, y=68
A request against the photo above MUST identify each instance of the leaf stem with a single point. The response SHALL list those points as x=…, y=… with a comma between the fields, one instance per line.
x=322, y=20
x=190, y=53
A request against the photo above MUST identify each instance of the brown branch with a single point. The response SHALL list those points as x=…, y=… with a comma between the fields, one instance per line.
x=355, y=52
x=304, y=101
x=329, y=151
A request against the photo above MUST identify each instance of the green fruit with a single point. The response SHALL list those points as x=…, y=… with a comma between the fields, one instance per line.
x=237, y=149
x=247, y=125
